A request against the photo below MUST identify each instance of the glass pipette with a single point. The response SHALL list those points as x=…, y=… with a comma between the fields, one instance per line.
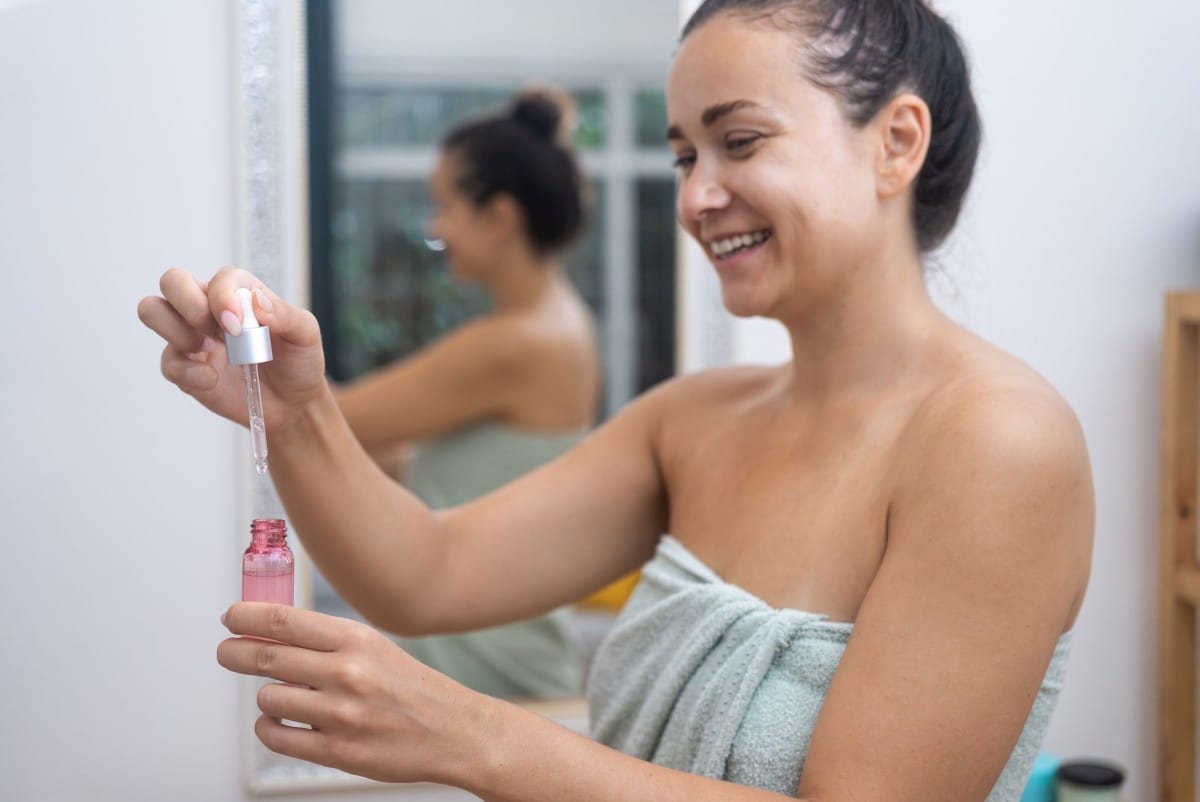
x=250, y=349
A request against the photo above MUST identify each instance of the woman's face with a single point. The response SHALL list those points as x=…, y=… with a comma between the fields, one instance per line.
x=466, y=230
x=774, y=183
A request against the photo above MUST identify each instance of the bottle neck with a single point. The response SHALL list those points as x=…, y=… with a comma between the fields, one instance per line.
x=267, y=533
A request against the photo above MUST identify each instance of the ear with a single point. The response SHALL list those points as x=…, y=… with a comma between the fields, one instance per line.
x=503, y=214
x=904, y=130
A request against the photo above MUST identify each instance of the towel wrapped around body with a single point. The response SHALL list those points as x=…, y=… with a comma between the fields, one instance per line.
x=702, y=676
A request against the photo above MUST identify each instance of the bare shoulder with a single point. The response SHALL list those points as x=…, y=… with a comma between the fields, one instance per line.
x=690, y=413
x=994, y=458
x=499, y=333
x=719, y=388
x=994, y=406
x=506, y=344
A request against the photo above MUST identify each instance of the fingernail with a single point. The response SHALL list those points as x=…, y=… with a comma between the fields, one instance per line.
x=208, y=345
x=223, y=617
x=231, y=323
x=263, y=300
x=198, y=356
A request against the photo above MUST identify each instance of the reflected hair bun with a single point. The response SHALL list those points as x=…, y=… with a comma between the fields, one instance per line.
x=543, y=112
x=523, y=150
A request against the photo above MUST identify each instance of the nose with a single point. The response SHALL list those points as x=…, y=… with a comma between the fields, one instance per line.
x=435, y=239
x=701, y=192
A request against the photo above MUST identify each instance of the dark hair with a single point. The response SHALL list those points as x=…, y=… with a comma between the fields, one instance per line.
x=523, y=152
x=866, y=52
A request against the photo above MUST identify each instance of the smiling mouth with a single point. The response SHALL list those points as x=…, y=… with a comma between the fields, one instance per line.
x=730, y=246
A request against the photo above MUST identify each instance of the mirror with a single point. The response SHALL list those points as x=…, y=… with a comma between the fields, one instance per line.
x=386, y=82
x=340, y=108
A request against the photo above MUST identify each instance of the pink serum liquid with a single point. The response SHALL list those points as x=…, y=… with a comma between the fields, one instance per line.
x=268, y=568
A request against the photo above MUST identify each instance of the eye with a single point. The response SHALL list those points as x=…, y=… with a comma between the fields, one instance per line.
x=741, y=142
x=684, y=161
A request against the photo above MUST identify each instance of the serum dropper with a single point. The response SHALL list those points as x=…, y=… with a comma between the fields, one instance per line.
x=250, y=349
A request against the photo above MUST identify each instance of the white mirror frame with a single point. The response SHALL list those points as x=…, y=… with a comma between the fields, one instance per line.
x=271, y=209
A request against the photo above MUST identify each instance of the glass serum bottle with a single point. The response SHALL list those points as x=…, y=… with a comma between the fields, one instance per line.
x=268, y=567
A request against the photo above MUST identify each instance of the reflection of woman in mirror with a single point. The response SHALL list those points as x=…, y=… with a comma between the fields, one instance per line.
x=877, y=551
x=509, y=390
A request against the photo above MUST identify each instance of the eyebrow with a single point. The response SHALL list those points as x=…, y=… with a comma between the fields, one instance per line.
x=714, y=113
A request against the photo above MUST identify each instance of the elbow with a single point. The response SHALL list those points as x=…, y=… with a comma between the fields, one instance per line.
x=395, y=619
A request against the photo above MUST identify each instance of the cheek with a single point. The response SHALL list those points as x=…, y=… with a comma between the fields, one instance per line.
x=458, y=229
x=819, y=202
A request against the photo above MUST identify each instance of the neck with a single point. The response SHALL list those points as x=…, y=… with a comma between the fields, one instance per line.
x=870, y=334
x=522, y=281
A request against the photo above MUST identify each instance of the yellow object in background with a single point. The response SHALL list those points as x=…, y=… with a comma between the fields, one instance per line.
x=614, y=595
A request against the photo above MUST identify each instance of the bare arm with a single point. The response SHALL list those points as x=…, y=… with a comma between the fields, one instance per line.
x=467, y=376
x=546, y=539
x=989, y=545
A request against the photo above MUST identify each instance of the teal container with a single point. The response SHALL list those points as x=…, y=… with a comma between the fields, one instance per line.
x=1040, y=787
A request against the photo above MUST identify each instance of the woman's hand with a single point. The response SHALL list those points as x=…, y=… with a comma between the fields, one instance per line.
x=193, y=316
x=374, y=711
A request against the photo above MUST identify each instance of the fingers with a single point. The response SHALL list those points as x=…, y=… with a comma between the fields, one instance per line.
x=190, y=375
x=287, y=322
x=223, y=304
x=188, y=297
x=304, y=628
x=262, y=658
x=160, y=317
x=296, y=703
x=191, y=309
x=296, y=742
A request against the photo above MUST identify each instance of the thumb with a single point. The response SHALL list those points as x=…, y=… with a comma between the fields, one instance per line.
x=287, y=323
x=290, y=323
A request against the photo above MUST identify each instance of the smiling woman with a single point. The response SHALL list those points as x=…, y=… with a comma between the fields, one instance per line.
x=861, y=568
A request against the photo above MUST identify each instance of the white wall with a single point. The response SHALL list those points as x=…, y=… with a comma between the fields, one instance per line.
x=118, y=554
x=1085, y=210
x=621, y=31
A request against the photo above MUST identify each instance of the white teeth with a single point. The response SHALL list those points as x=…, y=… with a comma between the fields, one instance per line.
x=724, y=247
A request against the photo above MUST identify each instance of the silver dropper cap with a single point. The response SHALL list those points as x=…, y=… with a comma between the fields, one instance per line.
x=253, y=345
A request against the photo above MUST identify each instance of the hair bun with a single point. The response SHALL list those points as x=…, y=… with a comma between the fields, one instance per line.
x=543, y=113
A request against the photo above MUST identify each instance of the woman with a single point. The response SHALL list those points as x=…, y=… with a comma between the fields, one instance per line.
x=877, y=550
x=508, y=391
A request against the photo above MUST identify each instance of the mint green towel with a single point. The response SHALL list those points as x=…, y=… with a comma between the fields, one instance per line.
x=535, y=658
x=702, y=676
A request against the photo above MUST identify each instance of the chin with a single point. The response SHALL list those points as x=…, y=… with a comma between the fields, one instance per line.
x=740, y=304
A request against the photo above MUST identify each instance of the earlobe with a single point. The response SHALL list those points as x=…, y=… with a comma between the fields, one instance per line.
x=904, y=143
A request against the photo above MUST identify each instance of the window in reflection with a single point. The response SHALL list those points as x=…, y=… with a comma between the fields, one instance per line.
x=656, y=278
x=408, y=116
x=650, y=118
x=391, y=293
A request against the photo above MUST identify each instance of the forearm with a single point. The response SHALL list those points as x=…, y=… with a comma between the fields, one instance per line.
x=526, y=758
x=375, y=542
